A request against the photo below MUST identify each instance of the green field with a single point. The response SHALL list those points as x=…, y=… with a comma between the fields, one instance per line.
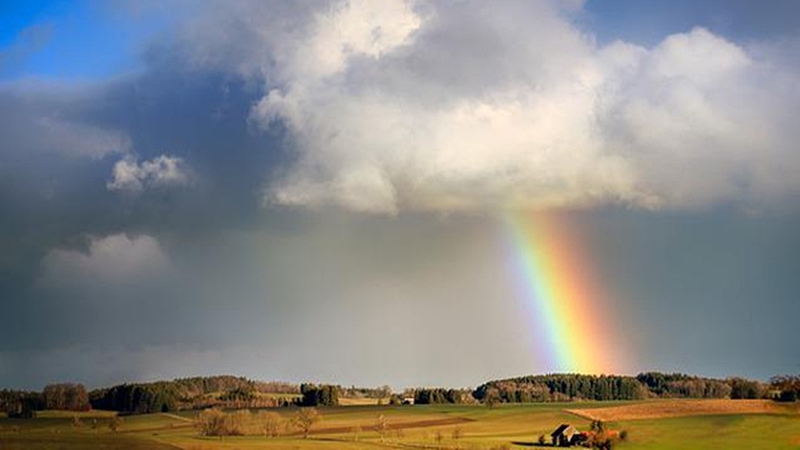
x=353, y=427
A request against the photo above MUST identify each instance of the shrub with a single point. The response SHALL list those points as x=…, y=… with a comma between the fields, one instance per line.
x=271, y=423
x=210, y=422
x=213, y=422
x=240, y=422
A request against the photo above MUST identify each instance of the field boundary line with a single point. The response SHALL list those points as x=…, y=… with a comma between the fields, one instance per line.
x=177, y=417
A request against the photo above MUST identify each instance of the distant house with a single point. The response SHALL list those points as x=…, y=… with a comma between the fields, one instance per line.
x=566, y=436
x=563, y=435
x=408, y=401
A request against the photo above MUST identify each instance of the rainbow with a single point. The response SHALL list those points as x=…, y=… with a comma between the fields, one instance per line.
x=573, y=326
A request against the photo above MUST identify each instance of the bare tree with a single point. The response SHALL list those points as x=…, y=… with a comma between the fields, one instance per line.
x=305, y=420
x=356, y=432
x=114, y=423
x=211, y=422
x=492, y=398
x=382, y=427
x=271, y=423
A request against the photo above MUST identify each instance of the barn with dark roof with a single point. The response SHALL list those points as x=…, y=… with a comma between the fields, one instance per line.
x=562, y=436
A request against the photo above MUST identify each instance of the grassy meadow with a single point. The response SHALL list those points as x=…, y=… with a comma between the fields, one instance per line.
x=431, y=427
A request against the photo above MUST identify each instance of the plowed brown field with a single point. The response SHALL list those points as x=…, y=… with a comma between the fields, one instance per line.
x=678, y=408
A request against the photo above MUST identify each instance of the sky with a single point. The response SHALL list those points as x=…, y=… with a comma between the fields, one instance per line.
x=402, y=192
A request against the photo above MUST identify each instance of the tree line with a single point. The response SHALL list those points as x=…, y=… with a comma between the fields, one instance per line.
x=20, y=404
x=786, y=387
x=238, y=392
x=362, y=392
x=322, y=395
x=62, y=396
x=560, y=387
x=207, y=392
x=222, y=391
x=679, y=385
x=195, y=386
x=162, y=396
x=568, y=387
x=438, y=396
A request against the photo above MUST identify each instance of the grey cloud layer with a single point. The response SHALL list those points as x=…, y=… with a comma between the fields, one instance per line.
x=337, y=302
x=41, y=118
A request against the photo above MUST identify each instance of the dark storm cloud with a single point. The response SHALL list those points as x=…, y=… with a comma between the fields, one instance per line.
x=60, y=144
x=49, y=177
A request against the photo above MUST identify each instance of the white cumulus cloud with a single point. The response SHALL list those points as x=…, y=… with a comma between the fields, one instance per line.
x=164, y=170
x=471, y=105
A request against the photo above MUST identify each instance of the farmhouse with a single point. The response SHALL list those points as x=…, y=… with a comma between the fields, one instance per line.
x=563, y=435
